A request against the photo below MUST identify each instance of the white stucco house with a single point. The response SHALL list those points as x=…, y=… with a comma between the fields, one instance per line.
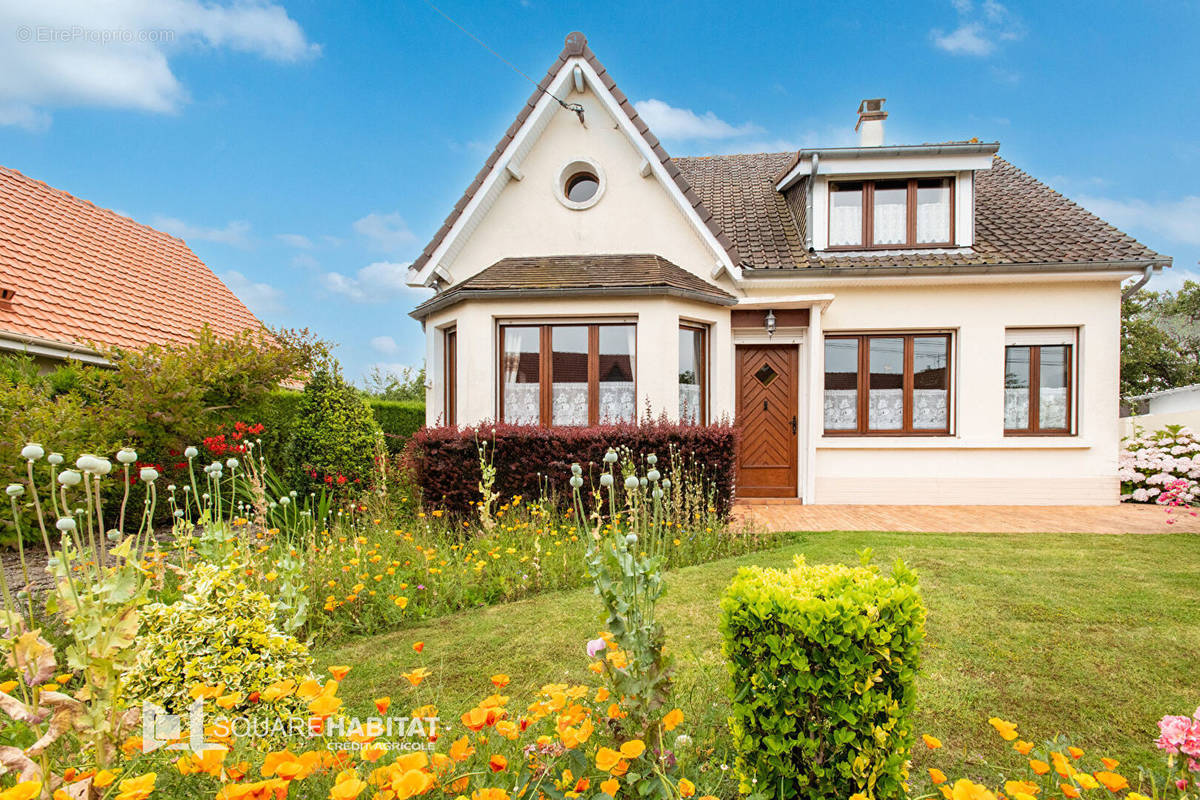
x=885, y=323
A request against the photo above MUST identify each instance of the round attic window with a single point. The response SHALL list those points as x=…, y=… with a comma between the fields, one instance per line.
x=580, y=185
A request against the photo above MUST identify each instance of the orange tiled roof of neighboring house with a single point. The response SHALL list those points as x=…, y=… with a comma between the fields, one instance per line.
x=81, y=273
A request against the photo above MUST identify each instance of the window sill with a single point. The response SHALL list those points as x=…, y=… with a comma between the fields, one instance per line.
x=951, y=443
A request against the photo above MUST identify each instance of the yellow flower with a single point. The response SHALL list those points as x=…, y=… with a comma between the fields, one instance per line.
x=932, y=742
x=416, y=676
x=1023, y=747
x=633, y=749
x=670, y=721
x=1007, y=730
x=138, y=788
x=25, y=790
x=936, y=775
x=968, y=790
x=606, y=759
x=1112, y=781
x=1015, y=788
x=103, y=778
x=610, y=787
x=1086, y=781
x=7, y=687
x=1038, y=767
x=348, y=786
x=686, y=787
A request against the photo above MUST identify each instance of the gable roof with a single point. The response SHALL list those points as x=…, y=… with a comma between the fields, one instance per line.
x=576, y=47
x=82, y=273
x=638, y=274
x=1018, y=221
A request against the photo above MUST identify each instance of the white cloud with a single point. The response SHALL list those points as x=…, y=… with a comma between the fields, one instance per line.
x=964, y=40
x=297, y=240
x=235, y=234
x=979, y=31
x=386, y=232
x=668, y=122
x=373, y=283
x=1176, y=220
x=385, y=344
x=115, y=54
x=305, y=261
x=261, y=298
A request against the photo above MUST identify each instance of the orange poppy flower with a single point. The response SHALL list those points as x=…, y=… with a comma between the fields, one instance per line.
x=1112, y=781
x=936, y=775
x=1069, y=790
x=497, y=763
x=1007, y=730
x=606, y=759
x=418, y=646
x=672, y=720
x=1038, y=767
x=633, y=749
x=339, y=673
x=500, y=681
x=1075, y=752
x=1109, y=763
x=686, y=787
x=932, y=742
x=461, y=750
x=382, y=704
x=1023, y=747
x=610, y=787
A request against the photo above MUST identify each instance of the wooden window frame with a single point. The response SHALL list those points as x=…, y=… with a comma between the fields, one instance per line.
x=450, y=376
x=702, y=369
x=868, y=215
x=546, y=367
x=1035, y=381
x=864, y=382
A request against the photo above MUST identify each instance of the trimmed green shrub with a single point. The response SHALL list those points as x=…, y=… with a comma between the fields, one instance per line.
x=334, y=436
x=277, y=414
x=399, y=420
x=823, y=661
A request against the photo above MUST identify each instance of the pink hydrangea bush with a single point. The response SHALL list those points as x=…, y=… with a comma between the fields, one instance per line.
x=1180, y=736
x=1161, y=467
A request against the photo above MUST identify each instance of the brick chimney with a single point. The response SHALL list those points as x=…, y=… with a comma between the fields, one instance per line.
x=870, y=122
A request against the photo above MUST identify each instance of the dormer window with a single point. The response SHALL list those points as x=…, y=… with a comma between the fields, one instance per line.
x=891, y=214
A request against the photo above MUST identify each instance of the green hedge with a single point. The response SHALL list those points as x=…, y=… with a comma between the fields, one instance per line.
x=399, y=420
x=823, y=661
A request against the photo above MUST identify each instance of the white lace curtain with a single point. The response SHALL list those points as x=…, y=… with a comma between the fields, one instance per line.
x=933, y=215
x=885, y=409
x=522, y=401
x=845, y=218
x=891, y=218
x=1052, y=408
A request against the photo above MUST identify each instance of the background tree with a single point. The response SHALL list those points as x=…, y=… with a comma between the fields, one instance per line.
x=1160, y=340
x=407, y=384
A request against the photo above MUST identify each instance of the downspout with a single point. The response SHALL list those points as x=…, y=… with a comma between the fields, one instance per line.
x=1142, y=281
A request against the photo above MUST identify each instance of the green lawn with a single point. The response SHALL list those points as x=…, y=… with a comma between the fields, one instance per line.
x=1096, y=636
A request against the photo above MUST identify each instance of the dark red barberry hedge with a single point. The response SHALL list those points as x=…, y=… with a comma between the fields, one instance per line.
x=531, y=460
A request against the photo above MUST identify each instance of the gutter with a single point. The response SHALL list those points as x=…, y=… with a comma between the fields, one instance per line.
x=752, y=275
x=49, y=348
x=1142, y=281
x=457, y=296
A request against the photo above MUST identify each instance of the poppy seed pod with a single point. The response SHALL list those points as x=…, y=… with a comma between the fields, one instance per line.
x=65, y=524
x=86, y=463
x=652, y=459
x=55, y=458
x=103, y=466
x=666, y=484
x=631, y=538
x=653, y=475
x=576, y=481
x=190, y=452
x=32, y=452
x=114, y=535
x=606, y=480
x=69, y=477
x=14, y=490
x=148, y=474
x=610, y=457
x=631, y=482
x=127, y=455
x=576, y=469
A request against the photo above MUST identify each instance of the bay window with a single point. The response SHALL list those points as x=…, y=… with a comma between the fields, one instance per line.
x=887, y=384
x=1038, y=386
x=908, y=212
x=693, y=374
x=567, y=373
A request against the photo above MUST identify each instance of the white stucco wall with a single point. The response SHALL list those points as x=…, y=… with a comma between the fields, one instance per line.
x=635, y=214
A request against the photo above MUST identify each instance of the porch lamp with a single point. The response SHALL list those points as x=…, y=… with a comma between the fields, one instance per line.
x=769, y=323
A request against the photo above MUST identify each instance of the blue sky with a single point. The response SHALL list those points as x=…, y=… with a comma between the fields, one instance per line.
x=307, y=151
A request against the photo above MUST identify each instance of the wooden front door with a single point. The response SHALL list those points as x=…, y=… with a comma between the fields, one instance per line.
x=767, y=414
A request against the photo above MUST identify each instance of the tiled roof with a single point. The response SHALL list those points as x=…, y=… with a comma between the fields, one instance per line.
x=82, y=273
x=576, y=46
x=1018, y=220
x=632, y=274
